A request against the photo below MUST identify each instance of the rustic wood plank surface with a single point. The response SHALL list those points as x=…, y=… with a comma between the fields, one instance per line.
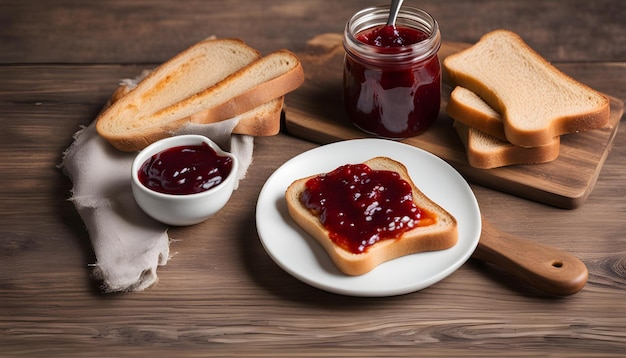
x=221, y=294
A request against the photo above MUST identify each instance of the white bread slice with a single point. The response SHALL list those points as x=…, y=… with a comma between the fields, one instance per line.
x=439, y=236
x=467, y=107
x=162, y=102
x=265, y=79
x=537, y=101
x=261, y=121
x=186, y=74
x=485, y=151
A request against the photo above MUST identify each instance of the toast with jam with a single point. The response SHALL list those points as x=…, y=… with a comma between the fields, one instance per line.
x=213, y=80
x=369, y=213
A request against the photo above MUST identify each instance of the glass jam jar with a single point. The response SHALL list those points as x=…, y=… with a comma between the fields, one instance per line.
x=392, y=91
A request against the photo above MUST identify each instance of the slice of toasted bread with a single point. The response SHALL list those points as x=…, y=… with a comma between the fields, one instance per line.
x=537, y=101
x=440, y=235
x=467, y=107
x=481, y=130
x=485, y=151
x=226, y=78
x=267, y=78
x=260, y=121
x=184, y=75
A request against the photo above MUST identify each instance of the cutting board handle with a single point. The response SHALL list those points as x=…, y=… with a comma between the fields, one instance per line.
x=547, y=268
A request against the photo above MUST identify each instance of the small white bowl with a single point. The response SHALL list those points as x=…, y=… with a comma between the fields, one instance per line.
x=184, y=209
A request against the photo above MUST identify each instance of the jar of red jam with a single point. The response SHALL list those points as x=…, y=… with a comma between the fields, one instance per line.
x=392, y=75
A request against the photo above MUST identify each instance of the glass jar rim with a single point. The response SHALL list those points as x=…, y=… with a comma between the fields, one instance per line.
x=409, y=17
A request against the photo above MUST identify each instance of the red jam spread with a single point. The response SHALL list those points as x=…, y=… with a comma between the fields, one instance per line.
x=360, y=206
x=391, y=36
x=185, y=170
x=392, y=101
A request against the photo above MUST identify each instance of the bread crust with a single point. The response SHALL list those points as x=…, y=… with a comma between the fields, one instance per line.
x=487, y=152
x=507, y=74
x=291, y=77
x=439, y=236
x=467, y=107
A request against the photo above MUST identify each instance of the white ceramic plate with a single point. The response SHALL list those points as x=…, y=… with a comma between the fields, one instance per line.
x=301, y=256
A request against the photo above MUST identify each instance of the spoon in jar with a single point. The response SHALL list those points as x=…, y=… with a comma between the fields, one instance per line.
x=393, y=12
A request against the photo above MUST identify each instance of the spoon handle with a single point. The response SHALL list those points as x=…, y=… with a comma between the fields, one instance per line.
x=393, y=11
x=544, y=267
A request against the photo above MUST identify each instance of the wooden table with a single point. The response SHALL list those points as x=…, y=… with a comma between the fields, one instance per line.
x=221, y=293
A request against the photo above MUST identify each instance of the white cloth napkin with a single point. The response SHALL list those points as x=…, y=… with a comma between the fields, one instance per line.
x=128, y=244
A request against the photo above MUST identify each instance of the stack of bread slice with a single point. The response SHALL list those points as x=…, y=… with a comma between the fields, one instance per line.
x=212, y=81
x=510, y=105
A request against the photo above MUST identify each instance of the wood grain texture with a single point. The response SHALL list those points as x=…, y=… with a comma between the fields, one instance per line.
x=221, y=294
x=74, y=31
x=544, y=267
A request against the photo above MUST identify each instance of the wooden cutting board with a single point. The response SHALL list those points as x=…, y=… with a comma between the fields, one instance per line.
x=315, y=112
